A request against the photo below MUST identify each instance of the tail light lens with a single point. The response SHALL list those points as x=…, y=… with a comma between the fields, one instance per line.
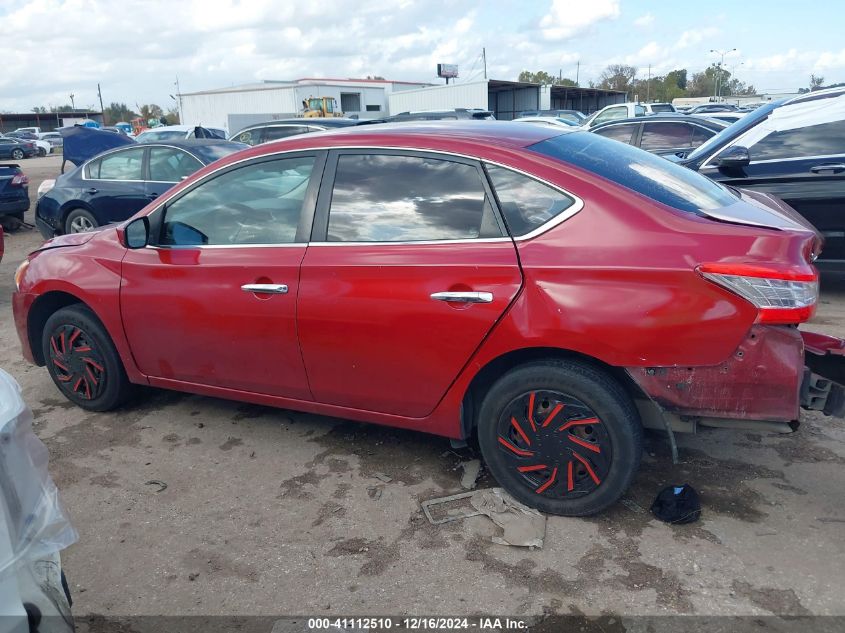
x=19, y=180
x=45, y=186
x=781, y=295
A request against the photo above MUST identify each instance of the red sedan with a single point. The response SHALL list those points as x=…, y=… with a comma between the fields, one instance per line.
x=551, y=291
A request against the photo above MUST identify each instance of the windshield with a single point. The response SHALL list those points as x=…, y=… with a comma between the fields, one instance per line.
x=733, y=130
x=153, y=135
x=640, y=171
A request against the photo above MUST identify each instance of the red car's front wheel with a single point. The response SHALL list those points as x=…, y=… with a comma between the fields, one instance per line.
x=83, y=361
x=562, y=437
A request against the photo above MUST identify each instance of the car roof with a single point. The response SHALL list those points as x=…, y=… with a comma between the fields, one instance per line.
x=178, y=128
x=827, y=93
x=666, y=117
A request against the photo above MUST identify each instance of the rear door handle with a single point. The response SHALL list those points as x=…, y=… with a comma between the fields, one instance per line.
x=92, y=190
x=463, y=297
x=269, y=289
x=834, y=168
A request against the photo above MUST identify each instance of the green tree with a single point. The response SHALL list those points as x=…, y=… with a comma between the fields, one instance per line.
x=61, y=108
x=816, y=83
x=677, y=78
x=118, y=112
x=542, y=77
x=618, y=77
x=172, y=116
x=151, y=111
x=39, y=110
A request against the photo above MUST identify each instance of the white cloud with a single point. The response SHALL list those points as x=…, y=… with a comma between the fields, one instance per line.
x=696, y=36
x=830, y=60
x=566, y=18
x=644, y=20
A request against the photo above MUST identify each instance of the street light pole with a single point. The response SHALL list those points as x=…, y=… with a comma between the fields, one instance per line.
x=717, y=91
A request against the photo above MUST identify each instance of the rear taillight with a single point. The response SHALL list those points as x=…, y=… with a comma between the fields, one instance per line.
x=20, y=180
x=781, y=295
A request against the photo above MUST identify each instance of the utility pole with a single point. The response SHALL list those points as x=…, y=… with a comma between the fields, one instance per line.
x=179, y=97
x=484, y=57
x=577, y=72
x=72, y=103
x=717, y=89
x=102, y=110
x=648, y=86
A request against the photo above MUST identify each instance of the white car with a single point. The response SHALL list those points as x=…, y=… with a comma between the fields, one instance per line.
x=53, y=138
x=33, y=526
x=550, y=121
x=626, y=111
x=44, y=147
x=174, y=132
x=31, y=130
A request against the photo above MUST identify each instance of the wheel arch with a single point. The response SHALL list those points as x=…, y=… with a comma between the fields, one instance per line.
x=496, y=367
x=42, y=309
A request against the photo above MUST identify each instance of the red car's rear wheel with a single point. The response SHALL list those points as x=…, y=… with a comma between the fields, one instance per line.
x=83, y=361
x=562, y=437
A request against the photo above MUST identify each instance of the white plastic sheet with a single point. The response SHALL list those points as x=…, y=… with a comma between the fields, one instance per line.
x=31, y=514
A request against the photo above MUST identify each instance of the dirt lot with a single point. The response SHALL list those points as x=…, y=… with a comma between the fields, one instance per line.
x=274, y=512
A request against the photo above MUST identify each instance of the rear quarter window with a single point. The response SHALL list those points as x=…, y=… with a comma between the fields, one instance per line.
x=647, y=174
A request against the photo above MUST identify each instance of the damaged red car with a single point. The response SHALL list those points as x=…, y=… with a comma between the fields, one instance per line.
x=553, y=292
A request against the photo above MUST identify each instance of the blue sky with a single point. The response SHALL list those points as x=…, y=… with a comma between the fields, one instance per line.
x=71, y=45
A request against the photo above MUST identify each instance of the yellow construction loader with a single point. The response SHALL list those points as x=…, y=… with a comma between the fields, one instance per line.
x=320, y=107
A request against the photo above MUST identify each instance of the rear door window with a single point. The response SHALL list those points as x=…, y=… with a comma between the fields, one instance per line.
x=623, y=132
x=124, y=165
x=527, y=204
x=395, y=198
x=659, y=135
x=611, y=114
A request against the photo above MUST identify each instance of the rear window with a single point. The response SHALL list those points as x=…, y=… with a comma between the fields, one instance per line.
x=647, y=174
x=662, y=107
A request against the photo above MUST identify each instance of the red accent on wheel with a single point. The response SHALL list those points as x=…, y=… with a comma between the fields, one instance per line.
x=548, y=483
x=531, y=412
x=76, y=363
x=590, y=447
x=586, y=464
x=558, y=408
x=514, y=449
x=584, y=422
x=570, y=483
x=530, y=469
x=519, y=430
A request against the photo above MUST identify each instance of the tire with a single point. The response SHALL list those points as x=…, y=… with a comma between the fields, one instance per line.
x=578, y=450
x=42, y=152
x=83, y=361
x=80, y=221
x=17, y=154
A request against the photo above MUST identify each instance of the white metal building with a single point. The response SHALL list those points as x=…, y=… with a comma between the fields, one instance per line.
x=238, y=106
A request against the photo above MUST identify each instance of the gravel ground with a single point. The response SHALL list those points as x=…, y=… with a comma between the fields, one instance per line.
x=274, y=512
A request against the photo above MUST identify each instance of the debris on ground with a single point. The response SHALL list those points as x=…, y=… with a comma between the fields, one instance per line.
x=155, y=482
x=677, y=505
x=472, y=469
x=382, y=477
x=521, y=526
x=374, y=492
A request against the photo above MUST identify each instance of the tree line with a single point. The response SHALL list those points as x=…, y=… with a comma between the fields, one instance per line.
x=116, y=112
x=677, y=83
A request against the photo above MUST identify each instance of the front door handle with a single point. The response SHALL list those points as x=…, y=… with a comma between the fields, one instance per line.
x=833, y=168
x=92, y=190
x=269, y=289
x=463, y=297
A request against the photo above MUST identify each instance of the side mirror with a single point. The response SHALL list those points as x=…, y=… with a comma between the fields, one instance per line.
x=137, y=233
x=736, y=156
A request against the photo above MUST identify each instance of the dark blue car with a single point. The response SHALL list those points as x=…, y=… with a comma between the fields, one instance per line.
x=114, y=185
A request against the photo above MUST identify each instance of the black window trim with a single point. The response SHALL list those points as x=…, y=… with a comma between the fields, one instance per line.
x=319, y=232
x=306, y=216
